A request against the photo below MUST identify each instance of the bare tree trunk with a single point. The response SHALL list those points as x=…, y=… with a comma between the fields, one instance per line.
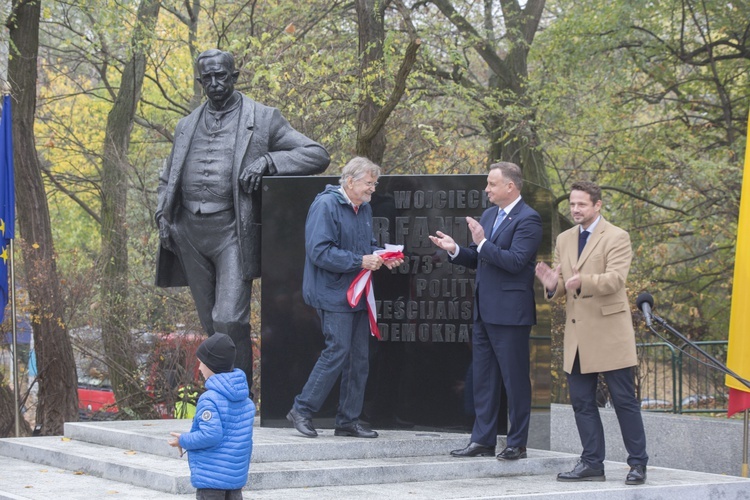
x=119, y=344
x=371, y=140
x=510, y=138
x=371, y=17
x=189, y=17
x=8, y=414
x=58, y=384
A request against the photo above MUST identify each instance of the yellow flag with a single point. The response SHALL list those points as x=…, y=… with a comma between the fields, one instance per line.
x=738, y=356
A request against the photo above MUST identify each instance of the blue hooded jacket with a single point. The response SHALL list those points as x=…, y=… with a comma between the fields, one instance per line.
x=336, y=239
x=220, y=440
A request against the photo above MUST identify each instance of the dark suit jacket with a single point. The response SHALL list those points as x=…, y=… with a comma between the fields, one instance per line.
x=505, y=266
x=262, y=131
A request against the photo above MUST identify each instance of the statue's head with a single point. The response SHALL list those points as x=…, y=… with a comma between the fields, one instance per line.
x=217, y=75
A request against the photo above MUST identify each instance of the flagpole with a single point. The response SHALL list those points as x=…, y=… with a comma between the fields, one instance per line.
x=16, y=385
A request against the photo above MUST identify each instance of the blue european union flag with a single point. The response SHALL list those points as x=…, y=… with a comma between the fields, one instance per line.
x=7, y=201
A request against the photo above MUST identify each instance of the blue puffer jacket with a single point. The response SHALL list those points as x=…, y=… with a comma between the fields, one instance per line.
x=220, y=440
x=336, y=239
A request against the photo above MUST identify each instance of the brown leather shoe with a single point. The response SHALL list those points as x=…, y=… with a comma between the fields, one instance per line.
x=512, y=453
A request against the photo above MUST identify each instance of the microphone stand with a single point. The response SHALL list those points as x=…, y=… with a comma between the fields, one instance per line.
x=723, y=368
x=718, y=364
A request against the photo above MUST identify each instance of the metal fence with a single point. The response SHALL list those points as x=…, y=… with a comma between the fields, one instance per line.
x=681, y=379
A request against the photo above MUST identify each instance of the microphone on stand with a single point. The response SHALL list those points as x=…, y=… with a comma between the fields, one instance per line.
x=645, y=302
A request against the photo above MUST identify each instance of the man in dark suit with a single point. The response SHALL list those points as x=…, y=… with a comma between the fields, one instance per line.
x=209, y=203
x=592, y=264
x=505, y=243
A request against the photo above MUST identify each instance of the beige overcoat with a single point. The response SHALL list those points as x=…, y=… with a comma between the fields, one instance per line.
x=598, y=321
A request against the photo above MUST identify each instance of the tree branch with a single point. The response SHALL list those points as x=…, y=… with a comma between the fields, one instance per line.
x=563, y=198
x=71, y=195
x=381, y=117
x=479, y=44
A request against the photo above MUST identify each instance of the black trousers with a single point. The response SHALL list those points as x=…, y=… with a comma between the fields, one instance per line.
x=500, y=358
x=206, y=494
x=622, y=390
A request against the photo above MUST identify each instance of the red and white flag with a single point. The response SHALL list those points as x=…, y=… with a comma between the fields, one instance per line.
x=362, y=284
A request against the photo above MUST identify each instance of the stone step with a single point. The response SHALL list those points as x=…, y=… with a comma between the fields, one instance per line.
x=271, y=444
x=139, y=469
x=396, y=456
x=662, y=484
x=22, y=480
x=131, y=460
x=313, y=473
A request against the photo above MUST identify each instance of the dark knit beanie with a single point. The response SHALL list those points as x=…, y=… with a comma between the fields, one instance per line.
x=217, y=352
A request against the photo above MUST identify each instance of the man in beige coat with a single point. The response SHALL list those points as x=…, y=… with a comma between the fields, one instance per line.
x=592, y=264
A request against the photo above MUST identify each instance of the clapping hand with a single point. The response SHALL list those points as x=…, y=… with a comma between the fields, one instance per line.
x=548, y=276
x=477, y=231
x=444, y=241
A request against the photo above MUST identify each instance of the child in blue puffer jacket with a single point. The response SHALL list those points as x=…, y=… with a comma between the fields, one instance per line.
x=220, y=440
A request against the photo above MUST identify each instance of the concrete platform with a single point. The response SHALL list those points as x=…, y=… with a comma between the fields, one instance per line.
x=131, y=460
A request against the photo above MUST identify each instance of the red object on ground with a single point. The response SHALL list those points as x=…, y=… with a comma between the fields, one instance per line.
x=96, y=399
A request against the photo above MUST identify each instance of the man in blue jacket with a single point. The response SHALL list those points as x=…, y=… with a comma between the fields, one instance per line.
x=505, y=243
x=339, y=243
x=220, y=440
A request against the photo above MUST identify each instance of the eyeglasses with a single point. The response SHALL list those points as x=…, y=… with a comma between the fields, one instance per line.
x=370, y=184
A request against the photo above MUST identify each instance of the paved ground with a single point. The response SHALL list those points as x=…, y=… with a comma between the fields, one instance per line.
x=23, y=480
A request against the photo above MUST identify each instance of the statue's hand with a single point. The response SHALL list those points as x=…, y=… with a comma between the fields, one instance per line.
x=250, y=177
x=164, y=230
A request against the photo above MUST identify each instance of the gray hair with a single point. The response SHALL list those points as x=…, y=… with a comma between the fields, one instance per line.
x=357, y=168
x=511, y=172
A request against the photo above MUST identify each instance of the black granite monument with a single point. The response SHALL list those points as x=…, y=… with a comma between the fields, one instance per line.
x=419, y=371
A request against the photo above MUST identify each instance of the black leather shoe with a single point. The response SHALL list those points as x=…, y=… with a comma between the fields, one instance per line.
x=582, y=472
x=512, y=453
x=474, y=450
x=355, y=430
x=303, y=425
x=637, y=475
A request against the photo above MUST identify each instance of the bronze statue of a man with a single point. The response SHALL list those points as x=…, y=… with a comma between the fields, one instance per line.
x=208, y=212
